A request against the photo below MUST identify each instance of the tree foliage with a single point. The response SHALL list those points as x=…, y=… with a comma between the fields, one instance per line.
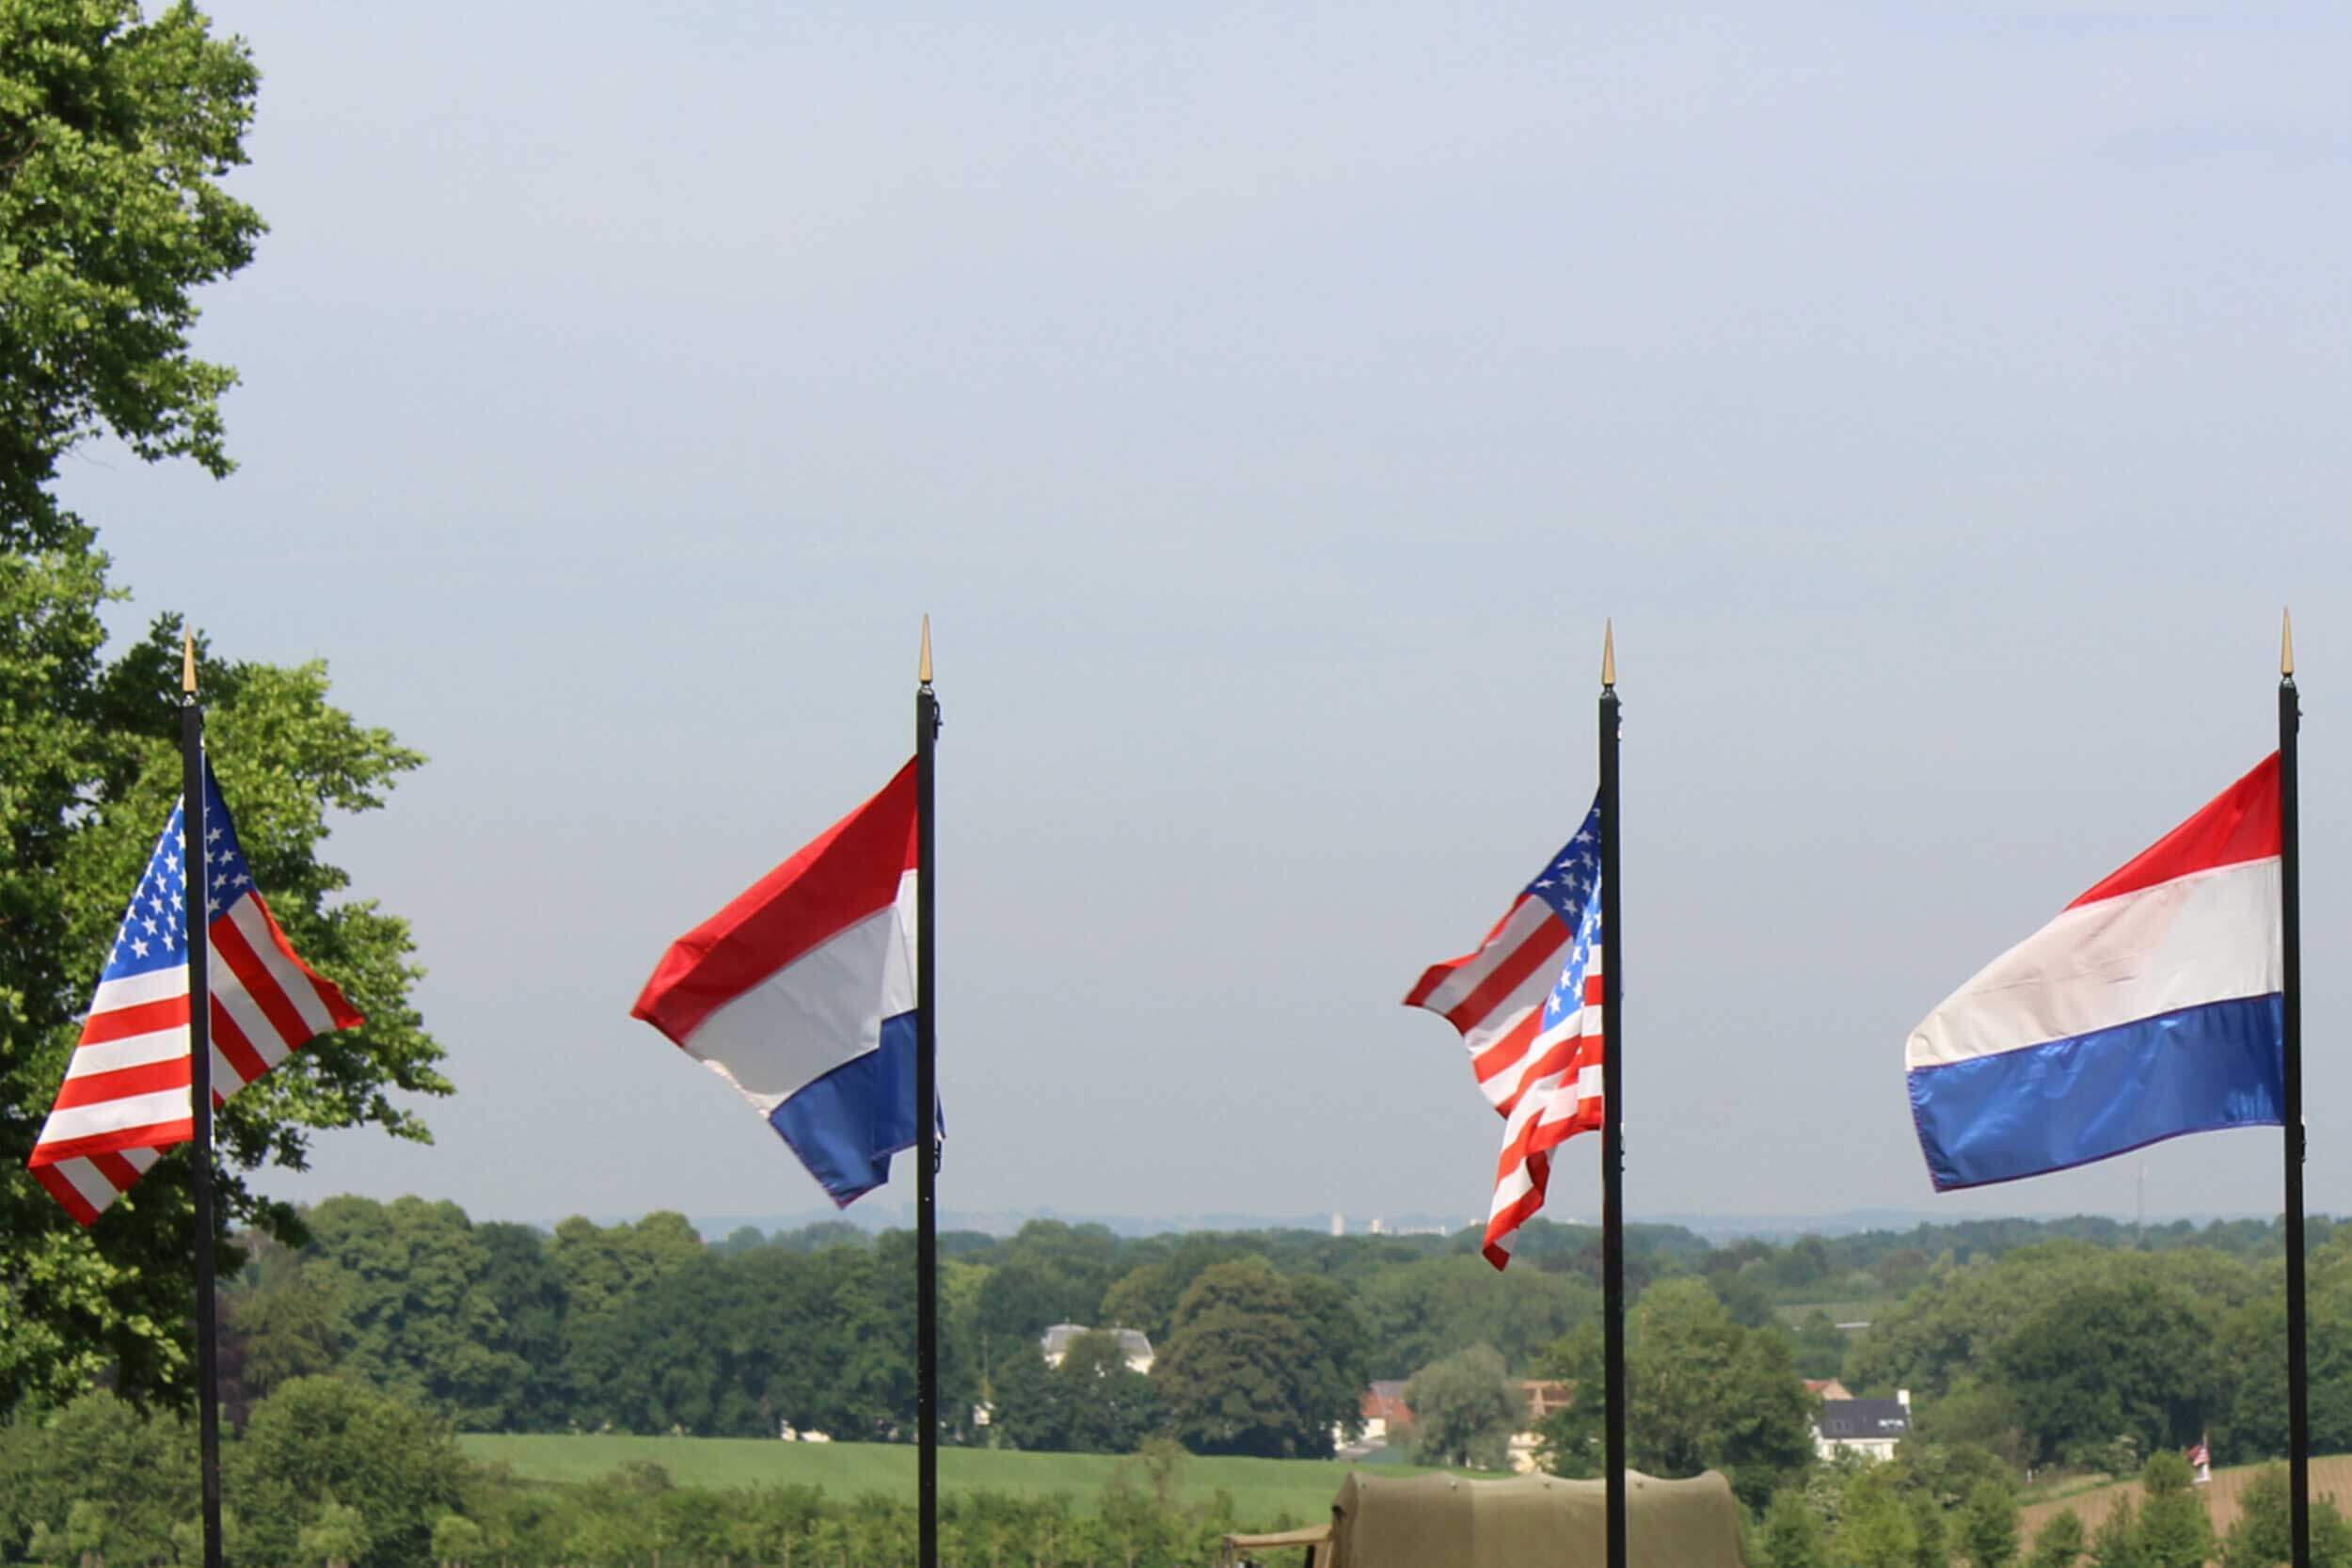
x=1238, y=1370
x=1701, y=1392
x=115, y=131
x=1464, y=1410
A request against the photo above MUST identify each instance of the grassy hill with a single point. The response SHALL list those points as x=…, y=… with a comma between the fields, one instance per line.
x=2332, y=1475
x=1264, y=1490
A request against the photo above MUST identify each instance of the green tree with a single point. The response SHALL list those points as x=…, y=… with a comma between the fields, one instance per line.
x=136, y=1467
x=1464, y=1410
x=338, y=1537
x=2263, y=1533
x=286, y=1327
x=87, y=785
x=1702, y=1393
x=2116, y=1543
x=2175, y=1531
x=114, y=134
x=1932, y=1539
x=1951, y=1327
x=2061, y=1543
x=1988, y=1526
x=1419, y=1312
x=1818, y=1346
x=1092, y=1403
x=1113, y=1408
x=2331, y=1535
x=1792, y=1532
x=2131, y=1357
x=417, y=1318
x=89, y=1531
x=323, y=1439
x=457, y=1542
x=1235, y=1369
x=1875, y=1528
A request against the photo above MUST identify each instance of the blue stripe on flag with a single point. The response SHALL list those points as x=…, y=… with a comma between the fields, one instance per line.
x=846, y=1125
x=2048, y=1107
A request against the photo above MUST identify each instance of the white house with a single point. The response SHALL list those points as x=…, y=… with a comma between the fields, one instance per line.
x=1871, y=1428
x=1135, y=1347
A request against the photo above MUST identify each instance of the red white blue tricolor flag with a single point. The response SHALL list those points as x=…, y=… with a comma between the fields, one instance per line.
x=125, y=1097
x=1528, y=1007
x=801, y=994
x=2152, y=1007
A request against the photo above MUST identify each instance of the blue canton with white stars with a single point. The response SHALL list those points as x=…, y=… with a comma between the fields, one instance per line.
x=1571, y=886
x=154, y=933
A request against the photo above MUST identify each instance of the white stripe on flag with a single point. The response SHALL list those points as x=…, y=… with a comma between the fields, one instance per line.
x=112, y=1115
x=161, y=1045
x=2210, y=936
x=245, y=913
x=1529, y=916
x=136, y=990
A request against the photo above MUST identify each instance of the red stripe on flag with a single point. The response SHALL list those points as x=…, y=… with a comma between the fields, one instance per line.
x=1502, y=1226
x=1498, y=1057
x=260, y=984
x=850, y=872
x=116, y=1169
x=2240, y=824
x=1438, y=974
x=155, y=1134
x=92, y=1088
x=144, y=1018
x=66, y=1193
x=229, y=1038
x=1527, y=957
x=330, y=997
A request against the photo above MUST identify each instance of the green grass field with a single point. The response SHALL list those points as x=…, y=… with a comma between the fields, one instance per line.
x=1264, y=1490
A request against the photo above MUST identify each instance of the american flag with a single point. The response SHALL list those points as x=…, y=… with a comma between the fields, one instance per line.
x=125, y=1097
x=1528, y=1007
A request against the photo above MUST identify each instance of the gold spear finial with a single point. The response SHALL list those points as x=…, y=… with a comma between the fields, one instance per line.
x=187, y=662
x=2286, y=644
x=1607, y=655
x=923, y=668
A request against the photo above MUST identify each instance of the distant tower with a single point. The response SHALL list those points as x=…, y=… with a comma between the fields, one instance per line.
x=1339, y=1223
x=1378, y=1227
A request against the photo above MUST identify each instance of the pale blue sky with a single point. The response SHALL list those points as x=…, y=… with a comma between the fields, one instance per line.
x=1268, y=403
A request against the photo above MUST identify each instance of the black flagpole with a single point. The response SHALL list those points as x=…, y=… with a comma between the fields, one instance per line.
x=201, y=1087
x=2291, y=933
x=927, y=1121
x=1613, y=1104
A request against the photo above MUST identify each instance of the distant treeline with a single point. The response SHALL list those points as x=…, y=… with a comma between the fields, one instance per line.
x=331, y=1474
x=646, y=1327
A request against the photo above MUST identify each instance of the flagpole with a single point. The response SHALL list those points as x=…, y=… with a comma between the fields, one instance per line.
x=1612, y=1103
x=199, y=918
x=926, y=1120
x=2291, y=933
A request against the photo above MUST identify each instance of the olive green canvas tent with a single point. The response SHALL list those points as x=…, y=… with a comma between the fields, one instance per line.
x=1443, y=1521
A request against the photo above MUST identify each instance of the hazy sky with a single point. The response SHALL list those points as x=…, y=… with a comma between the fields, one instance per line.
x=1268, y=403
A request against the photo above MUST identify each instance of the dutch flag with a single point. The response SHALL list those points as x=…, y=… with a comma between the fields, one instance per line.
x=801, y=994
x=2152, y=1007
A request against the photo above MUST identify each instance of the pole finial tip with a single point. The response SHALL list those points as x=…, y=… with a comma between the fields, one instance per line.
x=2286, y=644
x=187, y=662
x=1608, y=653
x=923, y=666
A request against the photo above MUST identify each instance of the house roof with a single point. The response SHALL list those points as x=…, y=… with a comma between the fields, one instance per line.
x=1858, y=1421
